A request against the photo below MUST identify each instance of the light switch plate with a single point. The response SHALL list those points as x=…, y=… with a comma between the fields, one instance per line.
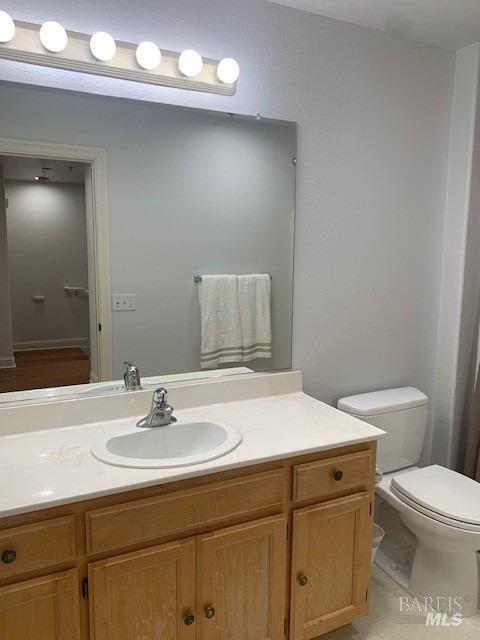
x=124, y=302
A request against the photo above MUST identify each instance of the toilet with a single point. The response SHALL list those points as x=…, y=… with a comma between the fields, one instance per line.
x=431, y=515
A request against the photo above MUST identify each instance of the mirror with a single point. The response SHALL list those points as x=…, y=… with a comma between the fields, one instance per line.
x=111, y=208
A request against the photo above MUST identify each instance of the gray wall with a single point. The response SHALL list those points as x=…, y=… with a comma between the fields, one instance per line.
x=189, y=192
x=47, y=249
x=6, y=340
x=373, y=114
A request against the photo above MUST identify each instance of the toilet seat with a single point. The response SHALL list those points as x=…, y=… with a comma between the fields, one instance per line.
x=441, y=494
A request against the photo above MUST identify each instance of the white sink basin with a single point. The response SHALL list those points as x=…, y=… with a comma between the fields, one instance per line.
x=179, y=444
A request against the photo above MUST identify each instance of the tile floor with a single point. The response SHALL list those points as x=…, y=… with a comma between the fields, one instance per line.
x=385, y=622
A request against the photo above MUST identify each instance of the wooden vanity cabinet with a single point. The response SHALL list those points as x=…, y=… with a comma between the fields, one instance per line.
x=241, y=581
x=226, y=584
x=331, y=557
x=144, y=594
x=44, y=608
x=276, y=551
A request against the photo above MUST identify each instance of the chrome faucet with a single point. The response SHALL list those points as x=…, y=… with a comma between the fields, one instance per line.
x=160, y=412
x=131, y=377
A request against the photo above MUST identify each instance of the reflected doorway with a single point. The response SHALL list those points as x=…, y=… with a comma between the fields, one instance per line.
x=45, y=330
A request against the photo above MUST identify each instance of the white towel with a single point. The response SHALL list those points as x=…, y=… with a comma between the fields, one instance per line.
x=235, y=319
x=254, y=302
x=220, y=320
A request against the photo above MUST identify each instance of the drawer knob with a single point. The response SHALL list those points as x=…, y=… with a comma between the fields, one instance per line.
x=189, y=619
x=338, y=475
x=209, y=612
x=302, y=580
x=9, y=556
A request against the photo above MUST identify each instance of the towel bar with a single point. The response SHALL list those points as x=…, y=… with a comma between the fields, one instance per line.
x=75, y=291
x=198, y=278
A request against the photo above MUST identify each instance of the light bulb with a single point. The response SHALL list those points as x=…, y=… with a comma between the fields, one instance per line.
x=190, y=63
x=53, y=36
x=7, y=27
x=228, y=70
x=103, y=46
x=148, y=55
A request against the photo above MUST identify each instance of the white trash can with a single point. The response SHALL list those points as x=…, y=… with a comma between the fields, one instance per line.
x=378, y=535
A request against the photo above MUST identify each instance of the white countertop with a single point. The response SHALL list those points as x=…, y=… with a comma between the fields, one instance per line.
x=40, y=469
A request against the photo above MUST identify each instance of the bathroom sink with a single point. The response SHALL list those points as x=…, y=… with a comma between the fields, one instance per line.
x=179, y=444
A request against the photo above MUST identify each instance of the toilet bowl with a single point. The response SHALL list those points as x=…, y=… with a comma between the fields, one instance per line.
x=445, y=561
x=430, y=514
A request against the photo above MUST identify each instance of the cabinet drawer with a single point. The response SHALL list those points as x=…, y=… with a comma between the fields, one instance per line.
x=332, y=476
x=36, y=546
x=182, y=512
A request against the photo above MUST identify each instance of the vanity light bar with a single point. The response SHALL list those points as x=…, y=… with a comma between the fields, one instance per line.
x=49, y=45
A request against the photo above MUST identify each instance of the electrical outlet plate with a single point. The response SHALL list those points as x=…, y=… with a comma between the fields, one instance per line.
x=124, y=302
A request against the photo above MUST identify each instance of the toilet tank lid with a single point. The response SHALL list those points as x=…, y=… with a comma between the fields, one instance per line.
x=376, y=402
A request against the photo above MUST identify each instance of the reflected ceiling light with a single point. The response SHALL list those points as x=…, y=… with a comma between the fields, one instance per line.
x=53, y=36
x=190, y=63
x=228, y=70
x=7, y=27
x=148, y=55
x=103, y=46
x=43, y=177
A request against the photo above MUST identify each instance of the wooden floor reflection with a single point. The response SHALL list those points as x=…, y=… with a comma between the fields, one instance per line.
x=46, y=368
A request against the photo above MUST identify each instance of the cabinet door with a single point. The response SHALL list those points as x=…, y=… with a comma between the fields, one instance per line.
x=41, y=609
x=242, y=580
x=144, y=595
x=330, y=565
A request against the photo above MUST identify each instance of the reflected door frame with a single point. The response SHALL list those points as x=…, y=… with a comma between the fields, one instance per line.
x=95, y=159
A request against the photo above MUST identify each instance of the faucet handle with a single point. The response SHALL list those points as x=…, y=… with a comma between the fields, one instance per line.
x=160, y=412
x=160, y=396
x=131, y=377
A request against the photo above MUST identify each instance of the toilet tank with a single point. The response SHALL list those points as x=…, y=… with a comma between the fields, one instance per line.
x=402, y=413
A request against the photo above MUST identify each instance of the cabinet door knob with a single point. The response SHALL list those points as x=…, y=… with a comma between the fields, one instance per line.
x=209, y=612
x=189, y=619
x=302, y=580
x=8, y=556
x=338, y=475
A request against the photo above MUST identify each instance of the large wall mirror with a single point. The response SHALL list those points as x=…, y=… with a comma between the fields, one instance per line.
x=108, y=209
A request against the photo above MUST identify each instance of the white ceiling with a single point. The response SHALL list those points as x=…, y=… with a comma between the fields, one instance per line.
x=15, y=168
x=450, y=24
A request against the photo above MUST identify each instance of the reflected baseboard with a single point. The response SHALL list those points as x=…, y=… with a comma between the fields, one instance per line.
x=58, y=343
x=7, y=362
